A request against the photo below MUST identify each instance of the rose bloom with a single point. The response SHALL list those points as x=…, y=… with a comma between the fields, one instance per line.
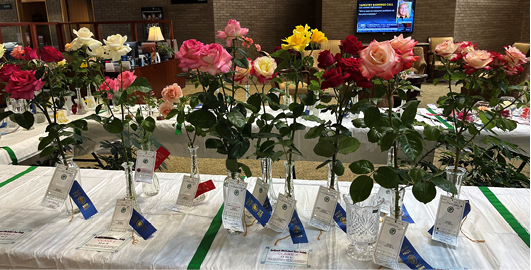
x=188, y=54
x=258, y=47
x=477, y=60
x=18, y=52
x=242, y=74
x=7, y=70
x=464, y=47
x=333, y=78
x=171, y=93
x=446, y=49
x=326, y=59
x=125, y=79
x=352, y=66
x=108, y=85
x=498, y=60
x=84, y=37
x=68, y=47
x=214, y=59
x=264, y=69
x=2, y=50
x=232, y=31
x=350, y=45
x=318, y=37
x=165, y=108
x=402, y=44
x=298, y=41
x=514, y=56
x=51, y=54
x=379, y=59
x=115, y=46
x=30, y=54
x=23, y=84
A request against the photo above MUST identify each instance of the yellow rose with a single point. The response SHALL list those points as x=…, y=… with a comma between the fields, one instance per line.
x=297, y=42
x=302, y=30
x=2, y=50
x=61, y=63
x=318, y=37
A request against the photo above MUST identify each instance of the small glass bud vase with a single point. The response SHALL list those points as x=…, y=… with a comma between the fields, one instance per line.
x=194, y=170
x=332, y=180
x=456, y=177
x=130, y=191
x=70, y=164
x=231, y=176
x=289, y=188
x=148, y=189
x=401, y=192
x=81, y=106
x=91, y=102
x=266, y=165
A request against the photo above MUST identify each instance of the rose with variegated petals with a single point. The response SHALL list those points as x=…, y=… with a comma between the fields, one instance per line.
x=232, y=31
x=264, y=69
x=479, y=59
x=379, y=59
x=446, y=49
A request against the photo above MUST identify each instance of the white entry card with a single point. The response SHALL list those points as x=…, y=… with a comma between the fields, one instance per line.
x=187, y=192
x=287, y=257
x=260, y=190
x=103, y=243
x=324, y=208
x=389, y=242
x=59, y=187
x=123, y=211
x=12, y=236
x=145, y=166
x=234, y=205
x=282, y=214
x=385, y=193
x=449, y=214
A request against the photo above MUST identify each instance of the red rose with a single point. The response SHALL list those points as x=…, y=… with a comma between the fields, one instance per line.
x=30, y=54
x=350, y=45
x=498, y=60
x=326, y=59
x=23, y=84
x=51, y=54
x=7, y=70
x=333, y=78
x=352, y=66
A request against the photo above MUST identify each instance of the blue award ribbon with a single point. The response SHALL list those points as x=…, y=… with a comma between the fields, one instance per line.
x=296, y=230
x=256, y=209
x=141, y=225
x=340, y=216
x=267, y=205
x=406, y=217
x=467, y=210
x=411, y=257
x=82, y=201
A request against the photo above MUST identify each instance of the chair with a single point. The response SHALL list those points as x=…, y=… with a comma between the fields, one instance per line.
x=433, y=65
x=332, y=45
x=523, y=47
x=419, y=67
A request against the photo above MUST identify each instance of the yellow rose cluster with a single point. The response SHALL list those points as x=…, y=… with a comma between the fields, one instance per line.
x=302, y=37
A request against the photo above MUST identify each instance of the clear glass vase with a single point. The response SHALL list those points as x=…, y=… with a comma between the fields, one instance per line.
x=194, y=171
x=148, y=189
x=130, y=191
x=456, y=177
x=10, y=106
x=70, y=164
x=401, y=192
x=91, y=102
x=289, y=188
x=20, y=106
x=363, y=222
x=332, y=181
x=80, y=103
x=266, y=164
x=231, y=176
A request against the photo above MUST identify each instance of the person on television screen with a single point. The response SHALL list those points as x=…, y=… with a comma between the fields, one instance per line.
x=403, y=11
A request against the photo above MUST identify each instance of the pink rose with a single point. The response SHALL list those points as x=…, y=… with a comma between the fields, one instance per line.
x=165, y=108
x=124, y=80
x=379, y=59
x=401, y=44
x=464, y=47
x=108, y=85
x=514, y=56
x=232, y=31
x=7, y=70
x=258, y=47
x=446, y=49
x=242, y=74
x=30, y=54
x=171, y=93
x=479, y=59
x=214, y=59
x=188, y=54
x=23, y=84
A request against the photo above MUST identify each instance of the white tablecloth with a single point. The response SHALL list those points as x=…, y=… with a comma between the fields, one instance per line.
x=53, y=241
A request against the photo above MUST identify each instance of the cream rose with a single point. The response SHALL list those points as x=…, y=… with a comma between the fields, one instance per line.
x=478, y=59
x=84, y=37
x=403, y=44
x=379, y=59
x=2, y=50
x=264, y=68
x=115, y=48
x=165, y=108
x=446, y=49
x=514, y=56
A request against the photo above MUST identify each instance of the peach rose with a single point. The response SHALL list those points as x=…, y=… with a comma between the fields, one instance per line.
x=514, y=56
x=478, y=59
x=379, y=59
x=446, y=49
x=165, y=108
x=403, y=44
x=171, y=93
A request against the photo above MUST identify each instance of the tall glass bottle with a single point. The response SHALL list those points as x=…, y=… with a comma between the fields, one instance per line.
x=194, y=170
x=130, y=191
x=267, y=176
x=289, y=189
x=71, y=164
x=81, y=106
x=147, y=188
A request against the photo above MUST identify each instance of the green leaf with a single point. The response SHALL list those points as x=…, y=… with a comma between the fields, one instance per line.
x=360, y=189
x=431, y=133
x=372, y=117
x=172, y=113
x=115, y=126
x=411, y=145
x=224, y=131
x=374, y=136
x=68, y=141
x=315, y=132
x=324, y=148
x=141, y=84
x=408, y=116
x=45, y=142
x=424, y=192
x=256, y=101
x=25, y=119
x=313, y=118
x=213, y=143
x=236, y=118
x=361, y=167
x=444, y=184
x=323, y=164
x=348, y=145
x=48, y=151
x=416, y=174
x=339, y=169
x=4, y=115
x=297, y=109
x=387, y=140
x=245, y=169
x=149, y=124
x=386, y=177
x=202, y=119
x=232, y=165
x=94, y=117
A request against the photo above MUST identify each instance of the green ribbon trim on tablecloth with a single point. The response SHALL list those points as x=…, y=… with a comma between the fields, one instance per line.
x=205, y=244
x=11, y=155
x=17, y=176
x=440, y=119
x=506, y=214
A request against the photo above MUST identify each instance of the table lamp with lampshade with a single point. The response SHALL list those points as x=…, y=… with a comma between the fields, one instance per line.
x=155, y=34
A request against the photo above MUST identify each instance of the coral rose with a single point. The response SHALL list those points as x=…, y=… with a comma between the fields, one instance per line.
x=30, y=54
x=51, y=54
x=379, y=59
x=188, y=54
x=232, y=31
x=264, y=69
x=125, y=79
x=446, y=49
x=214, y=59
x=165, y=108
x=479, y=59
x=171, y=93
x=23, y=84
x=351, y=45
x=7, y=70
x=18, y=52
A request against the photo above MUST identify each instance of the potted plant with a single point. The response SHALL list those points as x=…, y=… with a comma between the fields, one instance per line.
x=165, y=51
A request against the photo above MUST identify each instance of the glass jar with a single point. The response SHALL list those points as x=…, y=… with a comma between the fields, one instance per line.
x=130, y=191
x=153, y=188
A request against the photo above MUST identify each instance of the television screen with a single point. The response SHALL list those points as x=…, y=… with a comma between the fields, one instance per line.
x=385, y=16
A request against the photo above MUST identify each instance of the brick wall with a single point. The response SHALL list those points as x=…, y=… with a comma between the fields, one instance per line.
x=9, y=34
x=492, y=24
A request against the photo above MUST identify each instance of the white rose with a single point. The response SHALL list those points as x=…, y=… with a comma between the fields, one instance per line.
x=84, y=36
x=2, y=50
x=115, y=48
x=95, y=49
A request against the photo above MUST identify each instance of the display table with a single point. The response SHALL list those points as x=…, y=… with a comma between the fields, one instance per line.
x=53, y=241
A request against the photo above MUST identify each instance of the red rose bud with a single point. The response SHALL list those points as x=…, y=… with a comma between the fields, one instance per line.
x=30, y=54
x=51, y=54
x=333, y=78
x=350, y=45
x=325, y=59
